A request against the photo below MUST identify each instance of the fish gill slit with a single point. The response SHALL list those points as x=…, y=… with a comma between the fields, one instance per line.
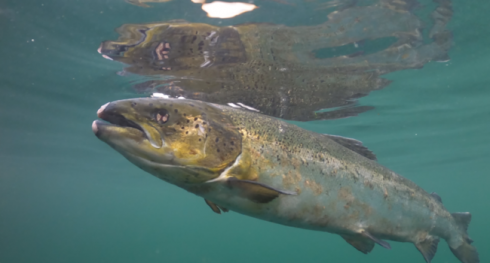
x=223, y=176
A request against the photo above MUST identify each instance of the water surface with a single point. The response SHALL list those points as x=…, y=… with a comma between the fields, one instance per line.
x=67, y=197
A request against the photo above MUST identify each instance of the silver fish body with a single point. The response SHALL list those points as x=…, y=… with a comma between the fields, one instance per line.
x=287, y=175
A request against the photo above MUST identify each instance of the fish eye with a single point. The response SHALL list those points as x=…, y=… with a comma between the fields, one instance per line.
x=162, y=116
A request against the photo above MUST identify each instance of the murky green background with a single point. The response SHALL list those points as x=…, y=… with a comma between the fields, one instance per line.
x=67, y=197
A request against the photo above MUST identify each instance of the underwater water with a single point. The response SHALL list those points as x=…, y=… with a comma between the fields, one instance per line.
x=65, y=196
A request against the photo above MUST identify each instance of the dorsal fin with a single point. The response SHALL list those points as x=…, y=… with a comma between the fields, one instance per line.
x=436, y=196
x=353, y=145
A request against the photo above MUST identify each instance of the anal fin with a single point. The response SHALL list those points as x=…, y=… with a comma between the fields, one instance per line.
x=255, y=191
x=428, y=247
x=365, y=245
x=376, y=240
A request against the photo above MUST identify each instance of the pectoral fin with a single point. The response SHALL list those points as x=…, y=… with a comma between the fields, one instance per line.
x=376, y=240
x=428, y=247
x=255, y=191
x=365, y=245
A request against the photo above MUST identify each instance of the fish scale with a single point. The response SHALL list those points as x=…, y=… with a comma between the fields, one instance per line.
x=266, y=168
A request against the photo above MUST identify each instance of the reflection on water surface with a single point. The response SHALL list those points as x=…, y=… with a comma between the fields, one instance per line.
x=294, y=73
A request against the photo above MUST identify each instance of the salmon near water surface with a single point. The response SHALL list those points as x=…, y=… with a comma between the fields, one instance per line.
x=266, y=168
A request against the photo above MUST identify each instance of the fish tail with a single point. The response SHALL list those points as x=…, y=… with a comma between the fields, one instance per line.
x=464, y=251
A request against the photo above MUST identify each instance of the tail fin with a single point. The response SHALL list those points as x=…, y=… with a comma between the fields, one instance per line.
x=466, y=253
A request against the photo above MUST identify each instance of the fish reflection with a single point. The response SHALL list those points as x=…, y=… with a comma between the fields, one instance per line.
x=297, y=73
x=142, y=3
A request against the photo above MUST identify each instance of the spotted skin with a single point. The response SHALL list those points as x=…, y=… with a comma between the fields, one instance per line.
x=334, y=189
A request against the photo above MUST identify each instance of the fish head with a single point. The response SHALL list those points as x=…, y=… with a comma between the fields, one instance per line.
x=180, y=141
x=153, y=49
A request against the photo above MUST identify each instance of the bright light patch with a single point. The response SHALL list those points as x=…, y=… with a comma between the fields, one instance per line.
x=247, y=107
x=160, y=95
x=233, y=105
x=220, y=9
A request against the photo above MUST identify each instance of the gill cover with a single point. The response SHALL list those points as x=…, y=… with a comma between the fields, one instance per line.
x=190, y=138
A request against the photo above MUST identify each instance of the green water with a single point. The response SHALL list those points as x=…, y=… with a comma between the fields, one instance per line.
x=67, y=197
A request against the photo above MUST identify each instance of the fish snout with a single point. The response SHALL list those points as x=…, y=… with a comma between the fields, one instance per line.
x=101, y=109
x=95, y=129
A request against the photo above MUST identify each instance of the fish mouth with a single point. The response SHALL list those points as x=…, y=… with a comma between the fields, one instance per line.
x=115, y=119
x=116, y=124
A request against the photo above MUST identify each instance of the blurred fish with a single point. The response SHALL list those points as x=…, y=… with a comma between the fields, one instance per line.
x=297, y=73
x=263, y=167
x=142, y=3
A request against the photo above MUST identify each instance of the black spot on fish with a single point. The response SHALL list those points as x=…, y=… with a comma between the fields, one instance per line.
x=199, y=139
x=197, y=126
x=182, y=127
x=217, y=139
x=195, y=119
x=176, y=110
x=186, y=132
x=133, y=104
x=232, y=143
x=188, y=121
x=218, y=150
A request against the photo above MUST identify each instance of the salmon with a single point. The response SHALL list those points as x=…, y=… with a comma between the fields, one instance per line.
x=266, y=168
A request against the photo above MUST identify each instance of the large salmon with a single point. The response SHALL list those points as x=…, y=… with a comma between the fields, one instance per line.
x=269, y=169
